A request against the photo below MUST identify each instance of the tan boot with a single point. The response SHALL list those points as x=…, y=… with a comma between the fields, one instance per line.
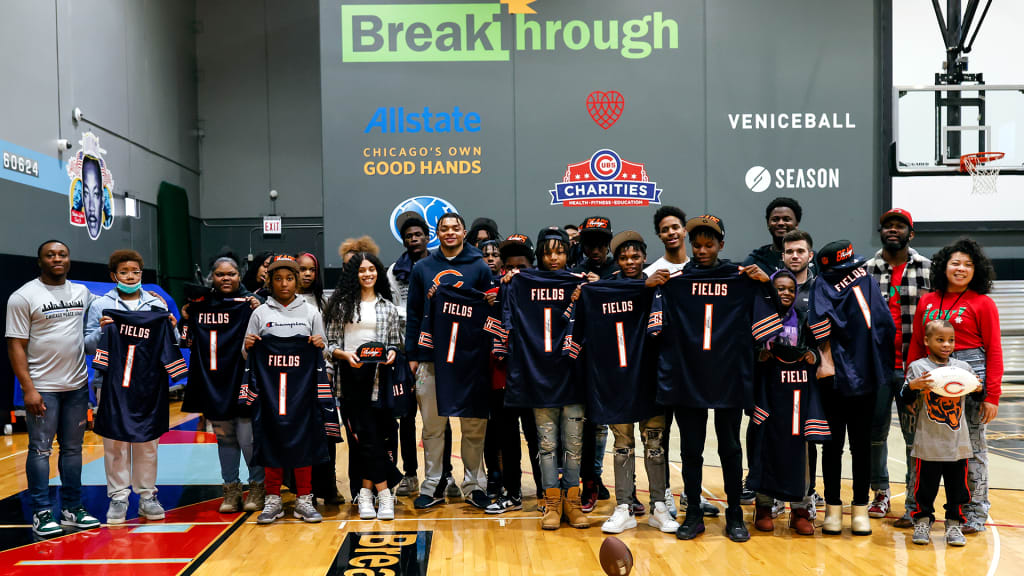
x=255, y=500
x=574, y=509
x=552, y=509
x=833, y=523
x=232, y=499
x=860, y=522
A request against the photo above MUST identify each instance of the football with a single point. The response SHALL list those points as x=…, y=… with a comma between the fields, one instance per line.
x=616, y=559
x=953, y=382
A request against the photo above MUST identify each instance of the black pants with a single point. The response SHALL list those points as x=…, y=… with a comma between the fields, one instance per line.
x=407, y=444
x=848, y=416
x=926, y=486
x=693, y=424
x=325, y=477
x=503, y=449
x=529, y=425
x=370, y=431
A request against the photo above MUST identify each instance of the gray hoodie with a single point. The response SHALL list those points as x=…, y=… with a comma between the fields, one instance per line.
x=275, y=319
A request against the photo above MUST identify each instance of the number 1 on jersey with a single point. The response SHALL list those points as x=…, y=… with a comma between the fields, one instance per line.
x=709, y=314
x=213, y=350
x=863, y=303
x=126, y=380
x=620, y=336
x=282, y=395
x=547, y=330
x=796, y=412
x=451, y=343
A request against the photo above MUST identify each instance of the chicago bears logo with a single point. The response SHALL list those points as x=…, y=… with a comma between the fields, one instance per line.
x=944, y=410
x=440, y=276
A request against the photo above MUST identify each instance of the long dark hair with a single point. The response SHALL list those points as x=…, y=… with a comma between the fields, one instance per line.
x=984, y=274
x=344, y=303
x=317, y=289
x=249, y=280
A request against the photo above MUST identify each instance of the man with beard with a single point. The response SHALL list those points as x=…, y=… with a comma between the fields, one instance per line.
x=903, y=276
x=797, y=254
x=782, y=215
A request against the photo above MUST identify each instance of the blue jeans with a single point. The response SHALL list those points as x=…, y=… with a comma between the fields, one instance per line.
x=235, y=440
x=565, y=422
x=65, y=418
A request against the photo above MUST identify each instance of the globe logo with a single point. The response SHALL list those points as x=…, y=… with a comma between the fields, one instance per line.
x=431, y=208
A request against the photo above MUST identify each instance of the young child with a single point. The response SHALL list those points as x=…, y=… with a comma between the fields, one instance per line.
x=941, y=441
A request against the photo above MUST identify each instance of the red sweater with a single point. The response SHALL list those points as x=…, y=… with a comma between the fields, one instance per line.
x=976, y=324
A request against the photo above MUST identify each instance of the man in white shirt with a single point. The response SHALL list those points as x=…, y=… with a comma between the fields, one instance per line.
x=669, y=225
x=46, y=346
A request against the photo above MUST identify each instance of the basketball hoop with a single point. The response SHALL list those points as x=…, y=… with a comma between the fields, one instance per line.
x=983, y=177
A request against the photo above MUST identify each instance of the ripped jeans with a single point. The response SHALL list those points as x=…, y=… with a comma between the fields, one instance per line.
x=651, y=431
x=566, y=423
x=65, y=419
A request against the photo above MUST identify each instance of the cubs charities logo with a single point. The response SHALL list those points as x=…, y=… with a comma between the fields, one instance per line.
x=91, y=196
x=431, y=208
x=605, y=180
x=605, y=108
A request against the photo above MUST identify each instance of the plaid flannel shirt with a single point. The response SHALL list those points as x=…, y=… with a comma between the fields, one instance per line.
x=389, y=328
x=916, y=283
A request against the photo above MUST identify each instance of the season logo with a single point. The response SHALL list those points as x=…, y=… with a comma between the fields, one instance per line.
x=605, y=180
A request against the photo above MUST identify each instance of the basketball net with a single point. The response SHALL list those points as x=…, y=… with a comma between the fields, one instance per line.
x=983, y=177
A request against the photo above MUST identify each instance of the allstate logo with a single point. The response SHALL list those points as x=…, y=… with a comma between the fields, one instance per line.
x=431, y=208
x=605, y=180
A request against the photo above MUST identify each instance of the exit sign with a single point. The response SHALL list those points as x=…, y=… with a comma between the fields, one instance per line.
x=271, y=225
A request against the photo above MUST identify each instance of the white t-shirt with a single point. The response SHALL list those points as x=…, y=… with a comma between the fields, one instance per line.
x=52, y=319
x=364, y=329
x=662, y=264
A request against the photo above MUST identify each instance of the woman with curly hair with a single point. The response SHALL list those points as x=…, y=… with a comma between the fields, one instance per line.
x=360, y=311
x=961, y=276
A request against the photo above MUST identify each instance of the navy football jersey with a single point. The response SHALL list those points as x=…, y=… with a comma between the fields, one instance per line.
x=847, y=309
x=709, y=319
x=610, y=322
x=459, y=329
x=136, y=353
x=787, y=415
x=293, y=402
x=216, y=328
x=533, y=307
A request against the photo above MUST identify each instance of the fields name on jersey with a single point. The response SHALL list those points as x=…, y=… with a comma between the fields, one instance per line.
x=457, y=309
x=710, y=289
x=850, y=278
x=213, y=318
x=283, y=360
x=791, y=120
x=134, y=331
x=474, y=32
x=793, y=376
x=545, y=294
x=617, y=307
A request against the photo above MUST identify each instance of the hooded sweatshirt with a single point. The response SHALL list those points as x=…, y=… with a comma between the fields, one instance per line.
x=466, y=270
x=298, y=318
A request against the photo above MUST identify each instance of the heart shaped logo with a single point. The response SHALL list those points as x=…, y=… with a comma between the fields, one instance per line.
x=605, y=107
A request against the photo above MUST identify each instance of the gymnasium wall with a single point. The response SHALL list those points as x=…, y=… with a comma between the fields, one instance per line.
x=130, y=67
x=712, y=92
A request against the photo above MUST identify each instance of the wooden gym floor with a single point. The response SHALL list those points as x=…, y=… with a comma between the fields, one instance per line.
x=456, y=539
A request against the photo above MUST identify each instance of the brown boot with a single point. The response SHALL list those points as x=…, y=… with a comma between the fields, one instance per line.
x=232, y=499
x=800, y=520
x=255, y=500
x=574, y=509
x=763, y=519
x=552, y=509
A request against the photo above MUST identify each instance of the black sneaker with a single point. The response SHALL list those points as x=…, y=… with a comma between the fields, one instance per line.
x=747, y=496
x=602, y=492
x=693, y=525
x=494, y=488
x=735, y=528
x=424, y=501
x=638, y=508
x=478, y=499
x=505, y=503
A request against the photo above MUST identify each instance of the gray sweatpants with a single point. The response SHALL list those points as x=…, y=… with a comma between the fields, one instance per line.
x=130, y=465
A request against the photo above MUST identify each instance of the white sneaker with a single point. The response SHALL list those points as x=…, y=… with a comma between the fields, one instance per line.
x=620, y=520
x=365, y=501
x=670, y=503
x=661, y=519
x=385, y=505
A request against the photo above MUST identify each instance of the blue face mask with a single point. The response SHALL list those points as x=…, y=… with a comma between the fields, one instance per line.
x=129, y=288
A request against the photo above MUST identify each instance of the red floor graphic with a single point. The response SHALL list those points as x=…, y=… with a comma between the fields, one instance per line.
x=158, y=548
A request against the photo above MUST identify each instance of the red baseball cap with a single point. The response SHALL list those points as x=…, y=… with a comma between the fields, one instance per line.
x=897, y=213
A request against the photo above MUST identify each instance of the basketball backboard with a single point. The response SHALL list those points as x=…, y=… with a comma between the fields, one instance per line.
x=933, y=125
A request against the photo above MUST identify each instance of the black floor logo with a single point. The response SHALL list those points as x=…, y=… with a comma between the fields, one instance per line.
x=382, y=553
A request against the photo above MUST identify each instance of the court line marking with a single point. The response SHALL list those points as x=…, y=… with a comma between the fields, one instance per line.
x=103, y=561
x=13, y=455
x=994, y=564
